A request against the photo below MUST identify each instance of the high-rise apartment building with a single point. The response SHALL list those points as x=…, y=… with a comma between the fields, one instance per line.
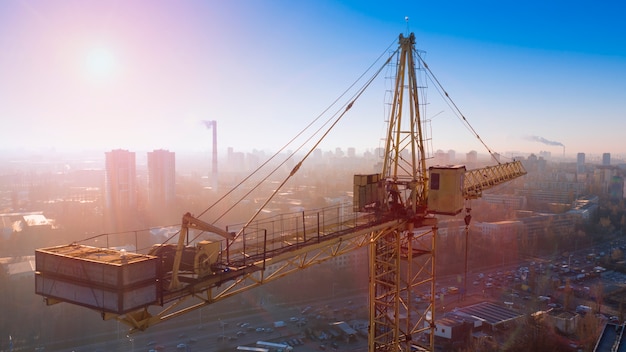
x=441, y=158
x=471, y=158
x=120, y=189
x=162, y=186
x=451, y=156
x=606, y=159
x=161, y=177
x=580, y=163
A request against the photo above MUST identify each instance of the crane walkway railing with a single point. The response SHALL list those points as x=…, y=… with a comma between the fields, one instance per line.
x=282, y=240
x=283, y=233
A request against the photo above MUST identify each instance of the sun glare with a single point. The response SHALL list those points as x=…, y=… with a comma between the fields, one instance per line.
x=100, y=63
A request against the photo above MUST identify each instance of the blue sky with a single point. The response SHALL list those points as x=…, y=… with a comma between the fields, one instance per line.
x=143, y=75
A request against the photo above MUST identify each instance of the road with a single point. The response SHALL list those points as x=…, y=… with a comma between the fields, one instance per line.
x=201, y=331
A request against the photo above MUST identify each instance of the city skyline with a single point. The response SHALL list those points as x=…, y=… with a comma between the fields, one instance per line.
x=229, y=154
x=146, y=75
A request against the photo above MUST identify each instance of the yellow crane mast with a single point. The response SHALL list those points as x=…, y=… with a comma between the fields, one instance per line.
x=402, y=260
x=394, y=214
x=402, y=256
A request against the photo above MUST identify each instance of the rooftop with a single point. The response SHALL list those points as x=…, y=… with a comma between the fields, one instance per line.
x=490, y=313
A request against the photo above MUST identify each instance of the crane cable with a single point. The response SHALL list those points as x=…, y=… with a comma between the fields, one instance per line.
x=454, y=107
x=291, y=141
x=272, y=158
x=299, y=164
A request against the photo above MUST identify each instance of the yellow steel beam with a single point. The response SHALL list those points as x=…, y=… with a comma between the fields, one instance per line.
x=478, y=180
x=402, y=265
x=301, y=257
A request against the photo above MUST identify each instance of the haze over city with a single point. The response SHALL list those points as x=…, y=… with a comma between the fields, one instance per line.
x=144, y=75
x=119, y=232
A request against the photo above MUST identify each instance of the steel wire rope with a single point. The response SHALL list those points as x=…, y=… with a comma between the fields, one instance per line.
x=454, y=107
x=272, y=157
x=348, y=106
x=290, y=142
x=266, y=162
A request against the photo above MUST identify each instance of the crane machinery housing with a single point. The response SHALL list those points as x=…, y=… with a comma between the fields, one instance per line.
x=394, y=214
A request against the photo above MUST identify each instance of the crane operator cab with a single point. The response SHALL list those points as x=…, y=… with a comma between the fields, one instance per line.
x=445, y=194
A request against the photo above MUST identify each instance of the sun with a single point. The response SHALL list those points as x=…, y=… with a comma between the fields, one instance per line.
x=100, y=63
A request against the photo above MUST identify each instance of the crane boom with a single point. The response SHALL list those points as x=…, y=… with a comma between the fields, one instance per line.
x=478, y=180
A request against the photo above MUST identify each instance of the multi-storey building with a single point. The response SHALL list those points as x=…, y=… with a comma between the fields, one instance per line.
x=161, y=183
x=120, y=189
x=471, y=159
x=580, y=163
x=441, y=158
x=508, y=200
x=552, y=191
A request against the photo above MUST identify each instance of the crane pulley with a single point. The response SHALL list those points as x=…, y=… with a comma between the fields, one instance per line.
x=190, y=222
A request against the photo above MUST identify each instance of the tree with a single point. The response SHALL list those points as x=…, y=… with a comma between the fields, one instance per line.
x=567, y=300
x=533, y=335
x=485, y=344
x=617, y=254
x=588, y=330
x=598, y=292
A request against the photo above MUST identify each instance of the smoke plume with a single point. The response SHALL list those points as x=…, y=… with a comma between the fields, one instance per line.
x=545, y=141
x=208, y=124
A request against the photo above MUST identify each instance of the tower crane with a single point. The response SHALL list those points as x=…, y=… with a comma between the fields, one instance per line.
x=394, y=214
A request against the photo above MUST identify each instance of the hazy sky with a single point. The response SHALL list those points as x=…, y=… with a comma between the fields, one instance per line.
x=143, y=75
